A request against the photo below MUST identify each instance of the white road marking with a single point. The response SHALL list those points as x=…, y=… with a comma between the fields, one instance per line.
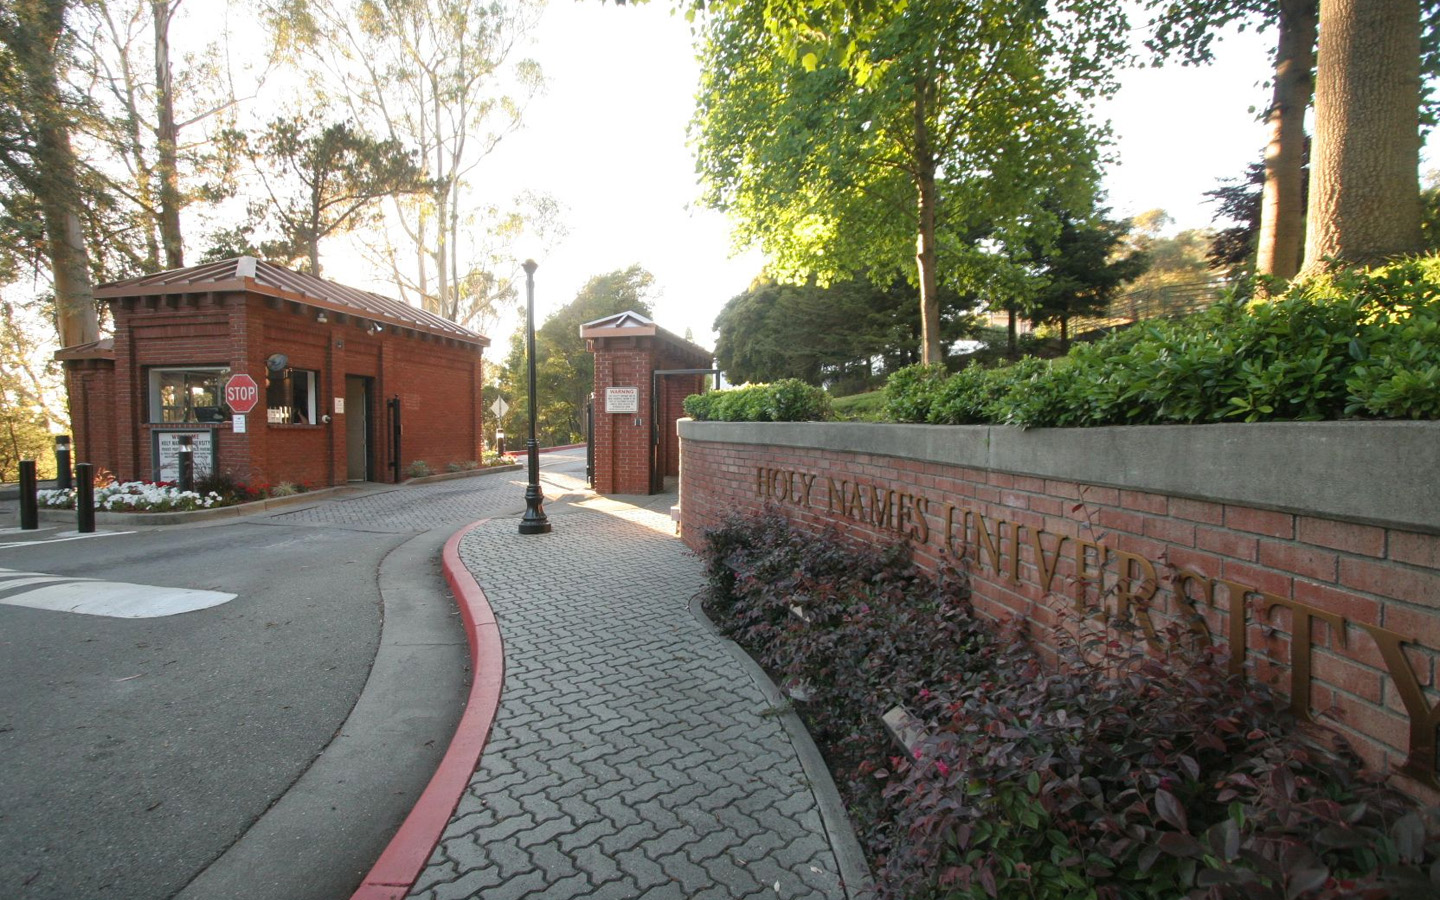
x=62, y=537
x=90, y=597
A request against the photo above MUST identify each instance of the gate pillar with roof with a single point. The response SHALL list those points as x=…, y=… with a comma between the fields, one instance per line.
x=643, y=374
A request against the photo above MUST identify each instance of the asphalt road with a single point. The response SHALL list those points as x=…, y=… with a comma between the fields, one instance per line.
x=136, y=751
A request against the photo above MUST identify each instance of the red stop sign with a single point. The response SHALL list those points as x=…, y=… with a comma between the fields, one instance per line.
x=241, y=393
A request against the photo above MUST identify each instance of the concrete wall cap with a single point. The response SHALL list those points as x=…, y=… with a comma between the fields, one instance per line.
x=1375, y=472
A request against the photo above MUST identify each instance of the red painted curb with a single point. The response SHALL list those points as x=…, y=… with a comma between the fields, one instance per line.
x=399, y=865
x=560, y=447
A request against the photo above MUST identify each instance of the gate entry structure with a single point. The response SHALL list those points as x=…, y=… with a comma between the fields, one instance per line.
x=643, y=374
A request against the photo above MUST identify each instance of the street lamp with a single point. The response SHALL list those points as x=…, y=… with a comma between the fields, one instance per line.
x=534, y=521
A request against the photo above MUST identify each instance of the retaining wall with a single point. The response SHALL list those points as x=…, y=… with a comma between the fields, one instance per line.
x=1313, y=547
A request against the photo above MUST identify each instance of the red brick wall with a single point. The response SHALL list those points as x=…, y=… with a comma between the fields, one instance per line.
x=1362, y=588
x=90, y=385
x=622, y=447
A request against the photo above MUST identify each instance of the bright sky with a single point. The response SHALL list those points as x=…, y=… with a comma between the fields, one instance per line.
x=608, y=139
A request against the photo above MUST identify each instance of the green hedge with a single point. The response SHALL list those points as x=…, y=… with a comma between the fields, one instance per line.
x=1358, y=344
x=786, y=400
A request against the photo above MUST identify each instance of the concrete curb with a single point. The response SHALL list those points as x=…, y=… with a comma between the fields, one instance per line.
x=452, y=476
x=855, y=874
x=408, y=851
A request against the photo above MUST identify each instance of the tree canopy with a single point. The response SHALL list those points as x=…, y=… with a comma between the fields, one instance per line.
x=842, y=336
x=888, y=139
x=564, y=369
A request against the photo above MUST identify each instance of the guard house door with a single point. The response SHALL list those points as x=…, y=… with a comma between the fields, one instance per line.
x=357, y=429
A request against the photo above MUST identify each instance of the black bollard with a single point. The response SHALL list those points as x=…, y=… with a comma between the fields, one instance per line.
x=500, y=442
x=85, y=497
x=63, y=480
x=29, y=505
x=186, y=459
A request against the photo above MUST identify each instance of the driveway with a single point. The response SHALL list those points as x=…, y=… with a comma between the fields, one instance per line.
x=142, y=753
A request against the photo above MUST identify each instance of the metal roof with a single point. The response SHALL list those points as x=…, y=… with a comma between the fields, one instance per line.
x=246, y=273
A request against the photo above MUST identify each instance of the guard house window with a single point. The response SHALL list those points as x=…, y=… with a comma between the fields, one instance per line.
x=188, y=395
x=290, y=397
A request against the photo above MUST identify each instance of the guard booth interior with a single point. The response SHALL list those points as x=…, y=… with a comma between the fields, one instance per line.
x=643, y=374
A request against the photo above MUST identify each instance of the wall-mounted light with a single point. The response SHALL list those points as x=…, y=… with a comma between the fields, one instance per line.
x=320, y=317
x=375, y=328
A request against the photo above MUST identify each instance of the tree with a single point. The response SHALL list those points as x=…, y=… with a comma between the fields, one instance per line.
x=1084, y=269
x=852, y=331
x=851, y=139
x=431, y=75
x=1189, y=26
x=1364, y=191
x=29, y=378
x=324, y=180
x=565, y=370
x=37, y=157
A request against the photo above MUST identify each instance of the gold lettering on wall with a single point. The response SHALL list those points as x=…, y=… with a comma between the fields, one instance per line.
x=996, y=544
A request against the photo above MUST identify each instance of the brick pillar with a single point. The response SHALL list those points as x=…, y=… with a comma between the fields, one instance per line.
x=622, y=439
x=629, y=349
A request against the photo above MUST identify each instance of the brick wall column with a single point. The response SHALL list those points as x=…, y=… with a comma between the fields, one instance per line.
x=622, y=440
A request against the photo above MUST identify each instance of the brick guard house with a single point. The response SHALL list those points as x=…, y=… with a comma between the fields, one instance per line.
x=643, y=374
x=352, y=386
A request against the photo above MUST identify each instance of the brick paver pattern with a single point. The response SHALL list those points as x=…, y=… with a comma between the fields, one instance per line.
x=632, y=756
x=416, y=508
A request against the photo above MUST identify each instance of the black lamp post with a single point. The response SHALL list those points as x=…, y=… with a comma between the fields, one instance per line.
x=534, y=521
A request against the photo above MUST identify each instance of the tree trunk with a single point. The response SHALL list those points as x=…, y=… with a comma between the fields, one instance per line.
x=925, y=241
x=1364, y=186
x=58, y=191
x=1012, y=335
x=166, y=139
x=1282, y=210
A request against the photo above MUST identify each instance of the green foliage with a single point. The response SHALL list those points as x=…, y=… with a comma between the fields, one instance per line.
x=1352, y=344
x=1108, y=774
x=819, y=128
x=860, y=407
x=786, y=400
x=323, y=180
x=828, y=335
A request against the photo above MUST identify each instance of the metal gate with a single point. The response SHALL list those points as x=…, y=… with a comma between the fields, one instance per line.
x=590, y=441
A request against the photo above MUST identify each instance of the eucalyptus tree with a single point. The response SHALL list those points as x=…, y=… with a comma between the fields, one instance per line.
x=886, y=138
x=442, y=77
x=38, y=164
x=1189, y=28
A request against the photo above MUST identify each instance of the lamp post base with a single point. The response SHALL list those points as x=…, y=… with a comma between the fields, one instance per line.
x=534, y=520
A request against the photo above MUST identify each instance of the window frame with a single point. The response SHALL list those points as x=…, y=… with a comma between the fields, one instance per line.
x=156, y=411
x=289, y=412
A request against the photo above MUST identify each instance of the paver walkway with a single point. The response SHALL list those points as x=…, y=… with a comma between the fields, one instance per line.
x=633, y=756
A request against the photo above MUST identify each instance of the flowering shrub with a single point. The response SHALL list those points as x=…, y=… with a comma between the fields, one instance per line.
x=496, y=458
x=134, y=496
x=1105, y=773
x=210, y=492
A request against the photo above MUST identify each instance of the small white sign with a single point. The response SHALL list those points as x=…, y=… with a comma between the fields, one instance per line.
x=499, y=407
x=237, y=423
x=622, y=400
x=339, y=406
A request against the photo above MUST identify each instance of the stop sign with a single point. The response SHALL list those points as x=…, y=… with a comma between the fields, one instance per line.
x=241, y=393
